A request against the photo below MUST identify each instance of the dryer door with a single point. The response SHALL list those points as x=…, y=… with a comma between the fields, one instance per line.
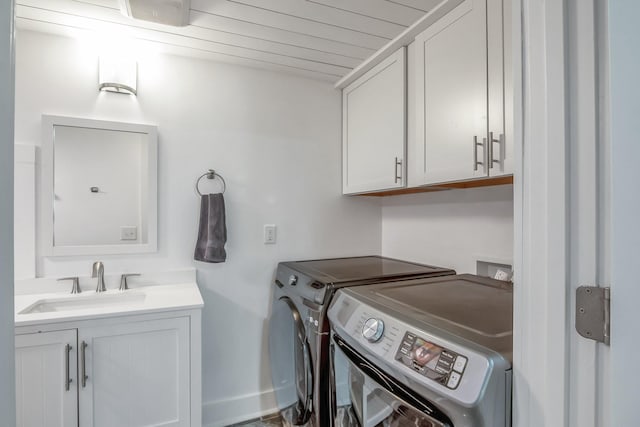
x=291, y=370
x=367, y=397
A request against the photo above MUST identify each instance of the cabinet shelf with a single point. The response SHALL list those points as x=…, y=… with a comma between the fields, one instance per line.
x=485, y=182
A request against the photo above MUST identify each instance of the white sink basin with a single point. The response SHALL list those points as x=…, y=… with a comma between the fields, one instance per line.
x=82, y=302
x=44, y=301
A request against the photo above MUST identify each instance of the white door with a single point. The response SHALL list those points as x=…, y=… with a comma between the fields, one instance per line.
x=135, y=374
x=624, y=43
x=46, y=379
x=451, y=97
x=374, y=128
x=577, y=204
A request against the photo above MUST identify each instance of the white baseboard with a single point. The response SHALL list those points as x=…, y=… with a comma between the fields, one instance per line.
x=222, y=413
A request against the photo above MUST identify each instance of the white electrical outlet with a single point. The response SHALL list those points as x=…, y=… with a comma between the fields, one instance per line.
x=129, y=232
x=270, y=232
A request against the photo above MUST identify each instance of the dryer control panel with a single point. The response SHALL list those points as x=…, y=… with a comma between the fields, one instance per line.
x=433, y=361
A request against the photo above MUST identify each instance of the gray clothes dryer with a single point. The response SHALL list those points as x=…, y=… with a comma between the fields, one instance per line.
x=299, y=329
x=427, y=352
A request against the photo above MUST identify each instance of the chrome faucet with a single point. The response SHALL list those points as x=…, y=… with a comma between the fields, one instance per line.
x=98, y=271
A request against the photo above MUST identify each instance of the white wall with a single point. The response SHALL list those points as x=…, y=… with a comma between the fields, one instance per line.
x=7, y=387
x=450, y=228
x=276, y=140
x=25, y=203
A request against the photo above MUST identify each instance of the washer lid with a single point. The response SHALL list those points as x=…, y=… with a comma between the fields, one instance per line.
x=354, y=269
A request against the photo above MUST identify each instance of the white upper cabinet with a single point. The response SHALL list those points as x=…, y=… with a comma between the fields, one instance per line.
x=374, y=128
x=456, y=80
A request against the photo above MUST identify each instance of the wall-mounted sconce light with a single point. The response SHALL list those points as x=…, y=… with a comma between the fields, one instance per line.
x=118, y=74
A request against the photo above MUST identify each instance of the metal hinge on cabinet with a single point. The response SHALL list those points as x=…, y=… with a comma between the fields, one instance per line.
x=592, y=313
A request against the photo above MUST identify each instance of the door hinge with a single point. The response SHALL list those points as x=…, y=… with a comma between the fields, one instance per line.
x=593, y=313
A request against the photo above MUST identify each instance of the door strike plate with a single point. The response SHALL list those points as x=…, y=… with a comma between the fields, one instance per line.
x=592, y=313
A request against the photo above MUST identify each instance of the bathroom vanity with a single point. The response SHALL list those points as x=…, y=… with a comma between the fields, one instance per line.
x=125, y=358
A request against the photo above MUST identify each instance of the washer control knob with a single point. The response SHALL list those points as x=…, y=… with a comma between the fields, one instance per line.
x=373, y=329
x=293, y=280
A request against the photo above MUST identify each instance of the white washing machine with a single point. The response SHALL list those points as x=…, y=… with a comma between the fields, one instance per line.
x=422, y=353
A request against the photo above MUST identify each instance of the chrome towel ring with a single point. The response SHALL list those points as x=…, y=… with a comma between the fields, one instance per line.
x=211, y=174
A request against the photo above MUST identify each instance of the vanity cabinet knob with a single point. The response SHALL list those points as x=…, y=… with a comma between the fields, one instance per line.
x=75, y=289
x=123, y=280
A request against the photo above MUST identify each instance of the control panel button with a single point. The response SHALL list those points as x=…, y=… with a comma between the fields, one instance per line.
x=454, y=379
x=293, y=280
x=373, y=329
x=460, y=363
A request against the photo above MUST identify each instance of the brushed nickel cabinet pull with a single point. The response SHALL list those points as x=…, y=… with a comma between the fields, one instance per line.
x=485, y=151
x=501, y=143
x=491, y=159
x=68, y=380
x=398, y=176
x=475, y=151
x=83, y=356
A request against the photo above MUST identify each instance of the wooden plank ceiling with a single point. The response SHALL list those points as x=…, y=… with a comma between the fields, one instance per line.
x=324, y=39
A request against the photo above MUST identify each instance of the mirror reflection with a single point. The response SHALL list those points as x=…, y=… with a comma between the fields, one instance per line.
x=99, y=180
x=99, y=188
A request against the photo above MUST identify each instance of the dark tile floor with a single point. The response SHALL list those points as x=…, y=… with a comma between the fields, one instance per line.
x=266, y=421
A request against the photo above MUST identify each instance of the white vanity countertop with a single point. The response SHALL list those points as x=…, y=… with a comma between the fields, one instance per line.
x=51, y=301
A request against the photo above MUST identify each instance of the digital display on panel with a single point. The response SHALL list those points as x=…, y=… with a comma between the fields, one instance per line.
x=431, y=360
x=425, y=353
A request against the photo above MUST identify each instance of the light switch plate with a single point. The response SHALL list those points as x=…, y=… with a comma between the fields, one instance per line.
x=270, y=234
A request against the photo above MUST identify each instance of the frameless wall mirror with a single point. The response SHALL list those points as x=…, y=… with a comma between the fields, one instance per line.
x=98, y=187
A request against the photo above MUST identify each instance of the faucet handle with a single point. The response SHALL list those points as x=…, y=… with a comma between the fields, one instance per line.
x=123, y=280
x=76, y=284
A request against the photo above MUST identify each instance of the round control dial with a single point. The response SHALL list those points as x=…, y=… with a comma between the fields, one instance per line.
x=373, y=329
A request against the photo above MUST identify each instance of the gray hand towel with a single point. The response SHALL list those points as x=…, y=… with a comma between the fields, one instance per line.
x=212, y=233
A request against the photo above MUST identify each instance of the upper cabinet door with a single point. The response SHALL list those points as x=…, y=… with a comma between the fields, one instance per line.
x=374, y=128
x=46, y=379
x=450, y=105
x=500, y=78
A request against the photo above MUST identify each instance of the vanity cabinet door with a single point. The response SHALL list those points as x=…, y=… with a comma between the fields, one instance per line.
x=135, y=374
x=46, y=379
